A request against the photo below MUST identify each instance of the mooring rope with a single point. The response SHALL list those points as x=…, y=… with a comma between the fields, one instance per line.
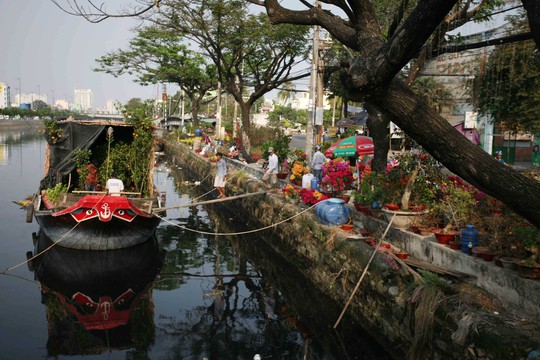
x=48, y=247
x=241, y=232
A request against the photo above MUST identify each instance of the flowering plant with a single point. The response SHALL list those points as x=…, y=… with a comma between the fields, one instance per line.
x=297, y=155
x=290, y=192
x=298, y=170
x=311, y=196
x=337, y=175
x=411, y=177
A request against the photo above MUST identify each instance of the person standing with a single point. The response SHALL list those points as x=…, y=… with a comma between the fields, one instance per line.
x=115, y=186
x=498, y=156
x=317, y=162
x=221, y=176
x=270, y=175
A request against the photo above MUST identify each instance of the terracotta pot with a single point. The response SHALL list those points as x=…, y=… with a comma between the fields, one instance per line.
x=344, y=198
x=297, y=182
x=385, y=245
x=455, y=245
x=415, y=229
x=445, y=238
x=282, y=175
x=364, y=209
x=488, y=256
x=392, y=206
x=526, y=271
x=478, y=251
x=508, y=263
x=402, y=255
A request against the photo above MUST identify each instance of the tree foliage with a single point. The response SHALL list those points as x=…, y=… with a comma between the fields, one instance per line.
x=509, y=87
x=252, y=57
x=158, y=55
x=371, y=76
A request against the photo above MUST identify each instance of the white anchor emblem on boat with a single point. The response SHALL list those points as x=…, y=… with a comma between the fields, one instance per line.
x=106, y=213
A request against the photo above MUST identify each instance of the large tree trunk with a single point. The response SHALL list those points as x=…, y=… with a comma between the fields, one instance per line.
x=378, y=130
x=246, y=125
x=457, y=153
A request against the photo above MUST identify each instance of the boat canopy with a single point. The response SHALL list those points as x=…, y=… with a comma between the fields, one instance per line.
x=78, y=135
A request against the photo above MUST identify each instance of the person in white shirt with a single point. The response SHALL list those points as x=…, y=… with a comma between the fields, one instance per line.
x=317, y=161
x=115, y=186
x=270, y=176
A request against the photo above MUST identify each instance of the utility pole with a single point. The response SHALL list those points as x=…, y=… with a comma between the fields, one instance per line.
x=182, y=99
x=312, y=91
x=319, y=99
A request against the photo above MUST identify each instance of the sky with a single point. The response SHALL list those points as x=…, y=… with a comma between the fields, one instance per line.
x=54, y=53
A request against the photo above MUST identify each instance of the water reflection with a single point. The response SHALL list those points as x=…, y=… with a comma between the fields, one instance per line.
x=97, y=300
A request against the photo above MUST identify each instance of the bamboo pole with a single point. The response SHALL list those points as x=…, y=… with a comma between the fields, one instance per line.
x=363, y=274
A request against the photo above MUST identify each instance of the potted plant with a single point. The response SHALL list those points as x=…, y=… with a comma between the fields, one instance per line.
x=51, y=196
x=408, y=177
x=528, y=268
x=337, y=177
x=256, y=153
x=297, y=172
x=369, y=191
x=529, y=237
x=456, y=206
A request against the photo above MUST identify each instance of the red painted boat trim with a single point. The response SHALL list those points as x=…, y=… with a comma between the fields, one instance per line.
x=103, y=207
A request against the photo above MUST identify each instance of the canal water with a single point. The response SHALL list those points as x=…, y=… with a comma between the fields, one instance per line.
x=185, y=294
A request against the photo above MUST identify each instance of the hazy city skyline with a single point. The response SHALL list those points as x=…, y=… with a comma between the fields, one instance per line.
x=49, y=52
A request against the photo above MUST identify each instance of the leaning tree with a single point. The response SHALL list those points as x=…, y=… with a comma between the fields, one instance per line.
x=371, y=76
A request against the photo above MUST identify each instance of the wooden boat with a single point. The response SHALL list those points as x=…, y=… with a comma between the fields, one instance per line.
x=95, y=220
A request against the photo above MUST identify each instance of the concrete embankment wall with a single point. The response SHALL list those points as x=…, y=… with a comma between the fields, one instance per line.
x=466, y=324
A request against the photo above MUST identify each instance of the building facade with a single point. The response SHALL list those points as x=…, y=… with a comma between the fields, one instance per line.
x=83, y=99
x=5, y=96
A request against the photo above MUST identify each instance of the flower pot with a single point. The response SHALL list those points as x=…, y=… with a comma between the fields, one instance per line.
x=282, y=175
x=445, y=238
x=483, y=253
x=508, y=263
x=402, y=219
x=392, y=206
x=365, y=232
x=528, y=270
x=364, y=209
x=455, y=245
x=402, y=255
x=347, y=227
